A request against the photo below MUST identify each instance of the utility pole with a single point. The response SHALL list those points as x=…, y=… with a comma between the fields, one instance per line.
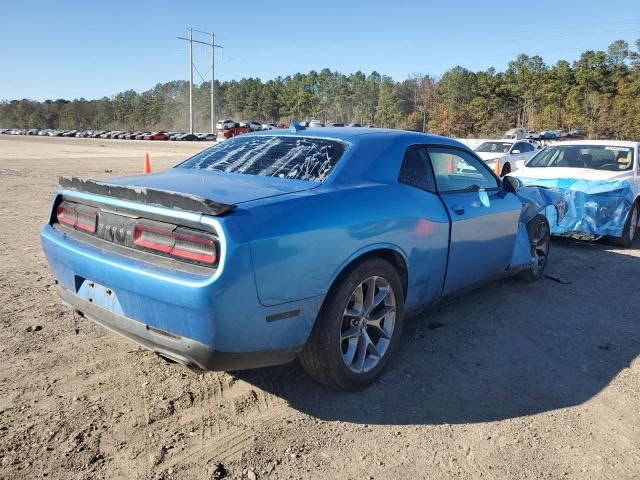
x=213, y=100
x=213, y=69
x=190, y=80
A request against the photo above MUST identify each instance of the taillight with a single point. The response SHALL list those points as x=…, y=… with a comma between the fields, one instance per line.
x=79, y=217
x=181, y=243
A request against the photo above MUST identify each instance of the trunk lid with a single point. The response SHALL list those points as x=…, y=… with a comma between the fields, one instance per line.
x=212, y=188
x=229, y=188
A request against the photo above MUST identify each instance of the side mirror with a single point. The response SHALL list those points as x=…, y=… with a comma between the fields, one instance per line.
x=511, y=184
x=515, y=152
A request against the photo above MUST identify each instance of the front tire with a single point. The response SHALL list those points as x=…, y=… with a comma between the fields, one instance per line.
x=630, y=228
x=505, y=170
x=358, y=327
x=540, y=240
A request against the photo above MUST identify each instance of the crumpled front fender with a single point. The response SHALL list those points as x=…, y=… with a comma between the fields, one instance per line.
x=594, y=208
x=535, y=200
x=539, y=199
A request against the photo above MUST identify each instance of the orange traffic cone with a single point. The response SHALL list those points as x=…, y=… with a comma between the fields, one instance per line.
x=147, y=165
x=451, y=168
x=497, y=170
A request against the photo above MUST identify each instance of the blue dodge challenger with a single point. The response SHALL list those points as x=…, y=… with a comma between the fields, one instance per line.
x=309, y=243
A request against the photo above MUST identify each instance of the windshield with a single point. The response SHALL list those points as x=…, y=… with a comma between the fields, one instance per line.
x=297, y=158
x=494, y=147
x=596, y=157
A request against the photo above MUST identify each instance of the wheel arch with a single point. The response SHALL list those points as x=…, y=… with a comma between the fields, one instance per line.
x=389, y=252
x=319, y=357
x=636, y=202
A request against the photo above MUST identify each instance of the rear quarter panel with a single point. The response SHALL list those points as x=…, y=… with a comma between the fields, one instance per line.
x=299, y=245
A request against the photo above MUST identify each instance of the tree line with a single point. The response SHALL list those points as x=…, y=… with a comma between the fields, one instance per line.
x=599, y=92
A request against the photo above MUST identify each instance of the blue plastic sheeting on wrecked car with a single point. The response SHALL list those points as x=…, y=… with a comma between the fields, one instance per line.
x=593, y=207
x=539, y=199
x=534, y=200
x=522, y=250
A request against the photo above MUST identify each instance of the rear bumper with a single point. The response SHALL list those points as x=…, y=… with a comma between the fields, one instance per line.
x=169, y=345
x=219, y=316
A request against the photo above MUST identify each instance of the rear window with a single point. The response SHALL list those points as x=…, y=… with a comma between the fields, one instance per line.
x=297, y=158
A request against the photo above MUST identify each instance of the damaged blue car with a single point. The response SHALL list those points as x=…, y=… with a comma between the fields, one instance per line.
x=309, y=243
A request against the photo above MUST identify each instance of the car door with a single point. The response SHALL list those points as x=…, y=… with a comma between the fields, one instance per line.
x=484, y=217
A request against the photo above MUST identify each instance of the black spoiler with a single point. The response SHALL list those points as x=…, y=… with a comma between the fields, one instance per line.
x=147, y=196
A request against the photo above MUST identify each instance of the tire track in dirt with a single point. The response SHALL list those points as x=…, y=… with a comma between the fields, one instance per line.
x=220, y=408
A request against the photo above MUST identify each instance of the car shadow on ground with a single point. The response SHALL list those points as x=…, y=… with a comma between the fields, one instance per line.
x=507, y=350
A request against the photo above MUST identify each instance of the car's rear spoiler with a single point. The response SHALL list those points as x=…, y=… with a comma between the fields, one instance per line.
x=147, y=196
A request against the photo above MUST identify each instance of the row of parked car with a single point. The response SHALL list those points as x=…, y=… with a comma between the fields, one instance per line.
x=521, y=133
x=318, y=123
x=554, y=134
x=255, y=126
x=112, y=134
x=229, y=128
x=249, y=125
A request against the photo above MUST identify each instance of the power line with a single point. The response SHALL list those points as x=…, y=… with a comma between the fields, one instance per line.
x=503, y=38
x=564, y=27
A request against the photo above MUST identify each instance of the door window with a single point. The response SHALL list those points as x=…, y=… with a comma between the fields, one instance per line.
x=456, y=170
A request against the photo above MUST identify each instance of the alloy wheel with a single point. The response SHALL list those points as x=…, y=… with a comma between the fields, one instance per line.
x=633, y=228
x=368, y=324
x=540, y=247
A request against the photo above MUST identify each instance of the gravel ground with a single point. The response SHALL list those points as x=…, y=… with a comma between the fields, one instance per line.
x=511, y=381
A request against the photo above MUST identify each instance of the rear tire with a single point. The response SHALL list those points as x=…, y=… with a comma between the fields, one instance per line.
x=630, y=228
x=540, y=240
x=358, y=327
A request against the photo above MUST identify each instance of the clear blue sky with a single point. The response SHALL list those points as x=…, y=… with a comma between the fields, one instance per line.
x=71, y=49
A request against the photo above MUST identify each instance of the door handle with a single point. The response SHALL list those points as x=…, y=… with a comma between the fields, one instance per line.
x=458, y=209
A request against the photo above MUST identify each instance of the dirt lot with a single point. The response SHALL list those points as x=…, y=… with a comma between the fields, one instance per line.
x=512, y=381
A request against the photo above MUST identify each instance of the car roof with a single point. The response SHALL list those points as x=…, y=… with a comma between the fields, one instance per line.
x=606, y=143
x=345, y=133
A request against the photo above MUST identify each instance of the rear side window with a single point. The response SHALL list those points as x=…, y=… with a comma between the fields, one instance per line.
x=297, y=158
x=416, y=169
